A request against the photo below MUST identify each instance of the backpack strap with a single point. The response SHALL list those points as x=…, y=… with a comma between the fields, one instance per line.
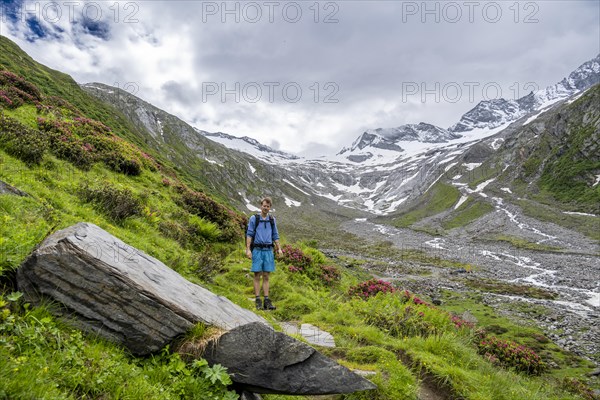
x=271, y=220
x=256, y=221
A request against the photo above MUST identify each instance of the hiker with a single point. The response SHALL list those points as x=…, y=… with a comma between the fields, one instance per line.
x=262, y=235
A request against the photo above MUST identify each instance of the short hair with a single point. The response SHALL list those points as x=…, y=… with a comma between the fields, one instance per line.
x=268, y=200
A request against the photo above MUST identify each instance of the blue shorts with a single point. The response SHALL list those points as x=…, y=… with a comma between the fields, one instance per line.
x=263, y=260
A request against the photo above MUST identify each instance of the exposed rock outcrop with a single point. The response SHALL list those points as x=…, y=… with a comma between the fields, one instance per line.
x=5, y=188
x=119, y=292
x=276, y=363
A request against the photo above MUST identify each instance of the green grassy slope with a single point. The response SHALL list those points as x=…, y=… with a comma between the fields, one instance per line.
x=60, y=152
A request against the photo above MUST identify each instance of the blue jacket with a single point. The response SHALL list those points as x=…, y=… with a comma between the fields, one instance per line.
x=263, y=232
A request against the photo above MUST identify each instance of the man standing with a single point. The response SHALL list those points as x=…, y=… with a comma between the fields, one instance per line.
x=263, y=229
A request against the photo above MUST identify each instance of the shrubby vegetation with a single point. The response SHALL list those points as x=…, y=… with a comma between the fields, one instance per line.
x=41, y=358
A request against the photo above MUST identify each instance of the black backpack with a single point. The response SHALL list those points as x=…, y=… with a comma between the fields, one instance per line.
x=257, y=220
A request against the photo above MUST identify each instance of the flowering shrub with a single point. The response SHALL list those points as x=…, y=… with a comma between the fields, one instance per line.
x=295, y=269
x=7, y=101
x=461, y=323
x=576, y=386
x=418, y=302
x=400, y=319
x=16, y=91
x=295, y=256
x=84, y=141
x=57, y=107
x=329, y=274
x=231, y=224
x=370, y=288
x=22, y=142
x=300, y=262
x=510, y=354
x=117, y=204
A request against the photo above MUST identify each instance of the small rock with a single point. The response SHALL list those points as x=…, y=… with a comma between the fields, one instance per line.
x=364, y=373
x=467, y=316
x=458, y=271
x=5, y=188
x=596, y=372
x=250, y=396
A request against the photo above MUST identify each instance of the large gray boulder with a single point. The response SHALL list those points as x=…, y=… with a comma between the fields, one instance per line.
x=120, y=293
x=261, y=360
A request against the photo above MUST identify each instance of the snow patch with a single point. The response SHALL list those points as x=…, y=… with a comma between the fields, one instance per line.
x=482, y=186
x=396, y=204
x=497, y=143
x=449, y=166
x=331, y=197
x=252, y=169
x=292, y=203
x=594, y=299
x=251, y=207
x=436, y=243
x=471, y=166
x=462, y=200
x=160, y=127
x=533, y=117
x=579, y=213
x=507, y=190
x=295, y=187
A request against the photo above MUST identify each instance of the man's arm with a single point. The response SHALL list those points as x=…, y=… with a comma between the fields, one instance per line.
x=248, y=241
x=278, y=247
x=251, y=231
x=276, y=238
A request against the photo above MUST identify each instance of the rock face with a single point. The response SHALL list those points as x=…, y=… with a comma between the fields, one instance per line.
x=121, y=293
x=276, y=363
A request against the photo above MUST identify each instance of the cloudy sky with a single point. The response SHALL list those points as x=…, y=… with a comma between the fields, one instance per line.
x=308, y=77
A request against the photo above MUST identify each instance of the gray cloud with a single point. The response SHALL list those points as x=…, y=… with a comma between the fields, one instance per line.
x=382, y=64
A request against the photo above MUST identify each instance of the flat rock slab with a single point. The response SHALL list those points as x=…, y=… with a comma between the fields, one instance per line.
x=5, y=188
x=121, y=293
x=261, y=360
x=312, y=334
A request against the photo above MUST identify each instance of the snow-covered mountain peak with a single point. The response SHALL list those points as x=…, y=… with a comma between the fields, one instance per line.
x=372, y=141
x=586, y=75
x=421, y=132
x=497, y=112
x=250, y=146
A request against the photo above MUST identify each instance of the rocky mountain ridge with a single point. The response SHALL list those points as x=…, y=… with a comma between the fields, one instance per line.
x=384, y=169
x=493, y=113
x=383, y=172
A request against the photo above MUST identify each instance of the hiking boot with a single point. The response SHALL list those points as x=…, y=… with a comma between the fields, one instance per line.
x=269, y=305
x=259, y=304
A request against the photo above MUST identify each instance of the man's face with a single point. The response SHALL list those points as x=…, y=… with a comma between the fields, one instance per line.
x=265, y=207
